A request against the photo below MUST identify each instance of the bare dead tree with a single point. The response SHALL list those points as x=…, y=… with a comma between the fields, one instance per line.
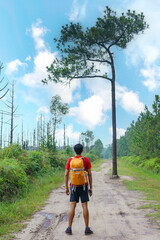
x=4, y=90
x=34, y=139
x=1, y=130
x=22, y=135
x=12, y=112
x=64, y=137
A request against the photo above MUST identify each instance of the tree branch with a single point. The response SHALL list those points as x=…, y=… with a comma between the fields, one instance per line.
x=117, y=40
x=98, y=60
x=4, y=94
x=95, y=76
x=3, y=87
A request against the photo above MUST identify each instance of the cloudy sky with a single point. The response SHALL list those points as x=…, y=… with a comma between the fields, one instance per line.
x=27, y=47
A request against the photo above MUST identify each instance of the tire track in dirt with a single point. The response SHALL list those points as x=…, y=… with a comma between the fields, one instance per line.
x=113, y=214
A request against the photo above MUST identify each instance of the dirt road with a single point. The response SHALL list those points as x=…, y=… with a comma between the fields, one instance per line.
x=113, y=214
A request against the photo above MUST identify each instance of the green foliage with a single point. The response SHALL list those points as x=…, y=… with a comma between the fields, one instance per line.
x=142, y=138
x=12, y=178
x=152, y=164
x=13, y=151
x=34, y=162
x=98, y=147
x=68, y=151
x=92, y=156
x=81, y=49
x=21, y=167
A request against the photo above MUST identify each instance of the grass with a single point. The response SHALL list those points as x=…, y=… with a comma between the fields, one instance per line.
x=12, y=213
x=96, y=165
x=146, y=182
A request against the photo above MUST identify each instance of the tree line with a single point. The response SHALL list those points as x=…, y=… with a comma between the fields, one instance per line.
x=142, y=138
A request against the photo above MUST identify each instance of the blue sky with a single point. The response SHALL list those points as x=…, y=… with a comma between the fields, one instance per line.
x=27, y=47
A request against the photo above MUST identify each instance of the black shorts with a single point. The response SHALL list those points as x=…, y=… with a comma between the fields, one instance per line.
x=77, y=193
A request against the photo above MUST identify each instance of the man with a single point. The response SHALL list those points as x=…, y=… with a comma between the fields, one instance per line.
x=79, y=191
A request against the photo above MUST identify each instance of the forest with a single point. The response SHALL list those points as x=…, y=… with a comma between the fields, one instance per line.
x=141, y=142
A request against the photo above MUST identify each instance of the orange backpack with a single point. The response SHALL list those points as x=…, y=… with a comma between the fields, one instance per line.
x=78, y=175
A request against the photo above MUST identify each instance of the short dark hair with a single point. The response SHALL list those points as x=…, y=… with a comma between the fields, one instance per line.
x=78, y=148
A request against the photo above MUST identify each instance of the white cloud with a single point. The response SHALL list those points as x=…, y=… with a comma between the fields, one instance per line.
x=42, y=60
x=13, y=66
x=102, y=88
x=120, y=132
x=38, y=32
x=93, y=111
x=145, y=48
x=43, y=109
x=28, y=58
x=68, y=94
x=129, y=100
x=78, y=12
x=89, y=112
x=152, y=76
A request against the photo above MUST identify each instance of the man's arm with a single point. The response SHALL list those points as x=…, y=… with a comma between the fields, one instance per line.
x=66, y=181
x=90, y=179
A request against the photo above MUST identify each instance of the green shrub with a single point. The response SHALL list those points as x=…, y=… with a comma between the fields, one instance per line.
x=68, y=151
x=57, y=160
x=152, y=164
x=34, y=162
x=92, y=157
x=13, y=151
x=12, y=178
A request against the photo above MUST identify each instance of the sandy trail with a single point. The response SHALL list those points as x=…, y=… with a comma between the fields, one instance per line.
x=113, y=214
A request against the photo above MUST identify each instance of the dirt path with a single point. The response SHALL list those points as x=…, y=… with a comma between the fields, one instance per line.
x=113, y=215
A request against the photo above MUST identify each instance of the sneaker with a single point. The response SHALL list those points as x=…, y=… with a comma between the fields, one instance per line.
x=88, y=231
x=68, y=231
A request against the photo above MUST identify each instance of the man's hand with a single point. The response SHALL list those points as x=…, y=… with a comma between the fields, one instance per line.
x=90, y=192
x=67, y=191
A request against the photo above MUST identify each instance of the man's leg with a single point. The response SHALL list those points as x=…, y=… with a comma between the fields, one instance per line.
x=85, y=213
x=86, y=218
x=71, y=213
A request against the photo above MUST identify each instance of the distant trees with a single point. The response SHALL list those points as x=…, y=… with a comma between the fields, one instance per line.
x=142, y=138
x=98, y=147
x=12, y=108
x=87, y=138
x=57, y=109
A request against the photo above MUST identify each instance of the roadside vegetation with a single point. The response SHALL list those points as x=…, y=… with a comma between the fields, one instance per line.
x=28, y=177
x=145, y=181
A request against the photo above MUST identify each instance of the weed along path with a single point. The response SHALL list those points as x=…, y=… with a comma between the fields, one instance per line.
x=113, y=214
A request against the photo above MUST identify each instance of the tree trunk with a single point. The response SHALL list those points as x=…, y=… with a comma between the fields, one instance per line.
x=64, y=137
x=54, y=130
x=114, y=145
x=12, y=114
x=1, y=129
